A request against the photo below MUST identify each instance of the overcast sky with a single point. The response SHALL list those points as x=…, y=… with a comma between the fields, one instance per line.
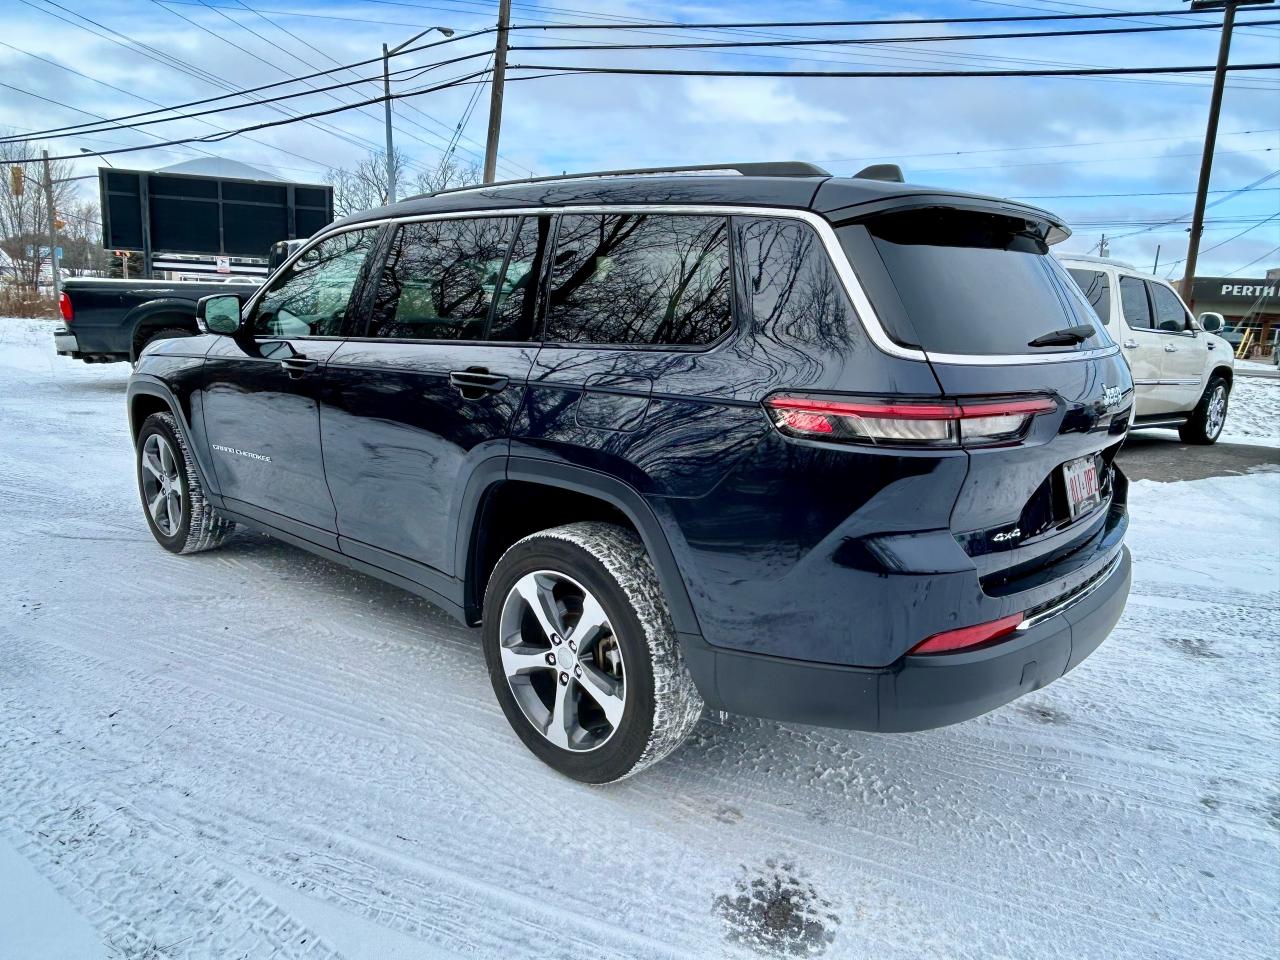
x=1065, y=144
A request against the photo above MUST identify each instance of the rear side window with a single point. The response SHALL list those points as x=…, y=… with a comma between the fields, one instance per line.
x=1096, y=287
x=640, y=279
x=1171, y=315
x=1133, y=301
x=793, y=290
x=439, y=279
x=980, y=283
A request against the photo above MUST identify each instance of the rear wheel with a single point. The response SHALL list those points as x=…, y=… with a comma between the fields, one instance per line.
x=173, y=498
x=164, y=333
x=1210, y=414
x=582, y=654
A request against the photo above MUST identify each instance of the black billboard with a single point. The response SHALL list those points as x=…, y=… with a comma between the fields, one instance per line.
x=148, y=212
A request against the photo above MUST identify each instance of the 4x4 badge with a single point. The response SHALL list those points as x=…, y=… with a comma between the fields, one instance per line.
x=1013, y=534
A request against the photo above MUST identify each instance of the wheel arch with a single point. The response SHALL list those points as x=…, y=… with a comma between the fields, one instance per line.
x=1224, y=371
x=156, y=315
x=147, y=395
x=598, y=495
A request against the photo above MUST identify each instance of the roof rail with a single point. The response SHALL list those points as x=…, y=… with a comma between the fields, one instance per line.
x=780, y=168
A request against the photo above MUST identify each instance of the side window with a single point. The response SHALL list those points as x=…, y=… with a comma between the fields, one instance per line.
x=515, y=310
x=1097, y=290
x=1171, y=315
x=1133, y=300
x=440, y=277
x=794, y=292
x=640, y=279
x=311, y=298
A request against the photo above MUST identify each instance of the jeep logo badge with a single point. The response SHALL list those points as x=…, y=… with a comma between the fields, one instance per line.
x=1111, y=396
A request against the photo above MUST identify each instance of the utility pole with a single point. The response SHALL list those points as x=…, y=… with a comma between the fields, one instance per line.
x=392, y=173
x=1155, y=267
x=1103, y=249
x=1210, y=138
x=53, y=229
x=386, y=107
x=495, y=92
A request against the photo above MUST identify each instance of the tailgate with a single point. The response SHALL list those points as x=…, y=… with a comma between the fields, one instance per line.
x=998, y=318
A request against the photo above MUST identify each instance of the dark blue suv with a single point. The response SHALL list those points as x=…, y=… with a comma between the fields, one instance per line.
x=829, y=450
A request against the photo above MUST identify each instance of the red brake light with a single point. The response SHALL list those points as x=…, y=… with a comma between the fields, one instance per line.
x=967, y=423
x=961, y=639
x=64, y=306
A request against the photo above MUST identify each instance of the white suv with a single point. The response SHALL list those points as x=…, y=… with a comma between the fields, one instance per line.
x=1182, y=371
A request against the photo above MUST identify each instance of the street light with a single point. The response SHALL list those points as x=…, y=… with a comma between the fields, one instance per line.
x=92, y=154
x=386, y=101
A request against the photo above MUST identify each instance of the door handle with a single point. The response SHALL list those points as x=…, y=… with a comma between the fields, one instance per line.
x=1130, y=344
x=1170, y=348
x=475, y=382
x=297, y=367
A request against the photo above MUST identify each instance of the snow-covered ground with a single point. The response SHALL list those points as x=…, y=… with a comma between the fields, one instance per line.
x=1253, y=412
x=256, y=753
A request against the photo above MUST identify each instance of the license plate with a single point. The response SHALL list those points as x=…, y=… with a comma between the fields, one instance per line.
x=1081, y=480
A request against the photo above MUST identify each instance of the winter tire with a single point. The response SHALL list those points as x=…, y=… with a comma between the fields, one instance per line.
x=1205, y=425
x=165, y=333
x=582, y=654
x=173, y=498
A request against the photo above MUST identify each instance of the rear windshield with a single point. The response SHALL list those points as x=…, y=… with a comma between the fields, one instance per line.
x=979, y=283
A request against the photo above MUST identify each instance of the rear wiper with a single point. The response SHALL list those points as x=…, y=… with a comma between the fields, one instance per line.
x=1067, y=337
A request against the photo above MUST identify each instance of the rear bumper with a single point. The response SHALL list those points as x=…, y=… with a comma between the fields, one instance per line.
x=65, y=343
x=916, y=693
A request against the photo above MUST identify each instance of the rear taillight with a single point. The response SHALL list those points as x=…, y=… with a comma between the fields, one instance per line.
x=967, y=423
x=964, y=638
x=64, y=306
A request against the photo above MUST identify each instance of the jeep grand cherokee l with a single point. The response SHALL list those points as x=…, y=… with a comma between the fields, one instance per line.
x=835, y=451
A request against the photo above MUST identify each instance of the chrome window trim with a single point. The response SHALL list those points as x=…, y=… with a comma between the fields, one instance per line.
x=250, y=305
x=866, y=313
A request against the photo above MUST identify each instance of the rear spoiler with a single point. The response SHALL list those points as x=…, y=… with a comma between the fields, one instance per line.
x=1055, y=230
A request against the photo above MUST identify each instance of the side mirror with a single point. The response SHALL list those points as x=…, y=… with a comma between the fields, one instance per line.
x=1212, y=322
x=219, y=313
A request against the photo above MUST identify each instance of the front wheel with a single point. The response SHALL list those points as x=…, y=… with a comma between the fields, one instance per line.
x=582, y=654
x=173, y=498
x=1205, y=425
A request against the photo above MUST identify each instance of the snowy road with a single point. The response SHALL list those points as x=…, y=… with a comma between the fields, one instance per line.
x=257, y=753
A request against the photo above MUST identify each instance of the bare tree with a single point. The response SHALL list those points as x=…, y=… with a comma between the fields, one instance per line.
x=449, y=172
x=81, y=238
x=365, y=185
x=24, y=221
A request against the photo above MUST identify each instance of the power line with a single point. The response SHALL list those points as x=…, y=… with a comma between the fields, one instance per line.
x=1223, y=243
x=451, y=142
x=1245, y=189
x=266, y=101
x=234, y=93
x=1034, y=146
x=569, y=69
x=216, y=138
x=906, y=21
x=151, y=53
x=1252, y=262
x=858, y=41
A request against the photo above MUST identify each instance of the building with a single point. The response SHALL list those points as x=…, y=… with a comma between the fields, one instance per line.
x=1246, y=303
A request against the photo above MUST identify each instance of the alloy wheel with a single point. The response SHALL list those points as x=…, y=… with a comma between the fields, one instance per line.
x=162, y=486
x=562, y=660
x=1217, y=413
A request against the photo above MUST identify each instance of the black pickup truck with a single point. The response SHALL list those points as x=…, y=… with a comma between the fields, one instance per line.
x=105, y=320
